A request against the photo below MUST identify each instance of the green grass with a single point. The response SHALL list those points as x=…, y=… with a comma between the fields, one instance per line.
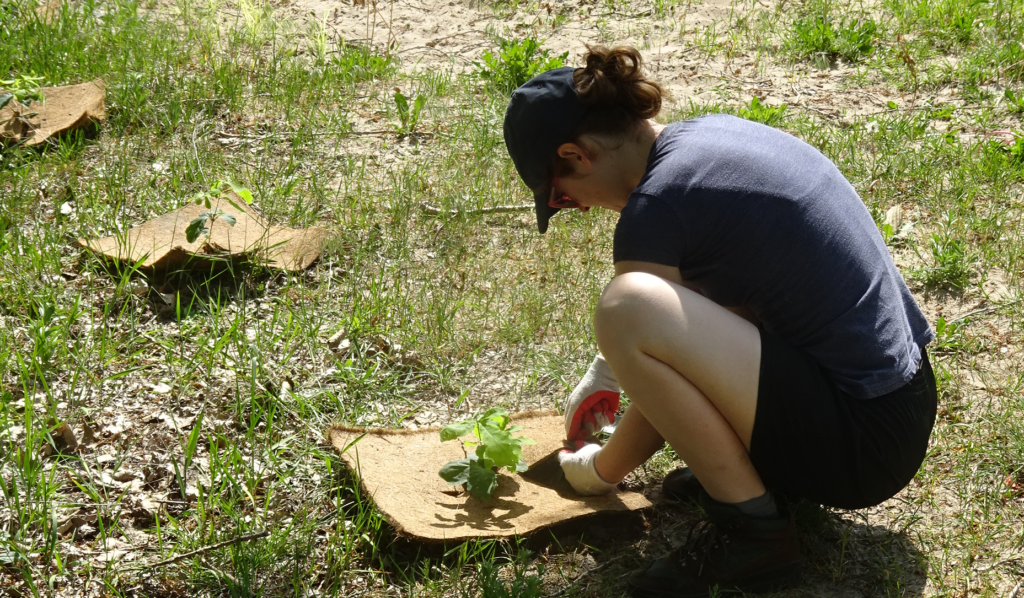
x=208, y=411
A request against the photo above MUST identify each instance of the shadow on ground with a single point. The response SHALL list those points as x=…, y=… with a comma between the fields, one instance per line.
x=844, y=557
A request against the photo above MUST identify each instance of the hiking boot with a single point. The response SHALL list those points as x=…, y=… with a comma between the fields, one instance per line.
x=730, y=551
x=680, y=484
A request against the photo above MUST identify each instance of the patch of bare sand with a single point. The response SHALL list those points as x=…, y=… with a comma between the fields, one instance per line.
x=693, y=50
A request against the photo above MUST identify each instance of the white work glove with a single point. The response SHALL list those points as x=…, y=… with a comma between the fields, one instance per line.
x=592, y=404
x=580, y=471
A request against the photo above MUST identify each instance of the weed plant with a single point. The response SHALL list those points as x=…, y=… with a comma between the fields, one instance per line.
x=515, y=62
x=823, y=39
x=766, y=115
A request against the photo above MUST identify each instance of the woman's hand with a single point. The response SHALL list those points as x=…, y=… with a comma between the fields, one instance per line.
x=581, y=473
x=592, y=404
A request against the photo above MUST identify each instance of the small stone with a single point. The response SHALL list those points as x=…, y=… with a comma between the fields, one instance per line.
x=138, y=287
x=66, y=209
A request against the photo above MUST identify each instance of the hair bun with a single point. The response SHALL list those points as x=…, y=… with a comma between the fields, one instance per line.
x=612, y=78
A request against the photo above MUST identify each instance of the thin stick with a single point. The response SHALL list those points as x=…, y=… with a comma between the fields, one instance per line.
x=1016, y=589
x=436, y=211
x=1009, y=559
x=206, y=549
x=983, y=310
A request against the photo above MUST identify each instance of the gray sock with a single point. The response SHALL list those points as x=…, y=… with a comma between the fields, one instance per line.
x=761, y=507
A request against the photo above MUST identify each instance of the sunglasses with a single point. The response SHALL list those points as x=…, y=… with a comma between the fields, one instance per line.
x=561, y=200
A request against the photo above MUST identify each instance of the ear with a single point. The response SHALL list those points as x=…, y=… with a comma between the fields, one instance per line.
x=578, y=156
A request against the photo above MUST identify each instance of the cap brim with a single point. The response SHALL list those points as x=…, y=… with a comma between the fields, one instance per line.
x=544, y=211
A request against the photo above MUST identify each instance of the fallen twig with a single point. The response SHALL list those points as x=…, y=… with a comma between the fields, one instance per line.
x=1016, y=588
x=983, y=310
x=223, y=574
x=205, y=549
x=1009, y=559
x=436, y=211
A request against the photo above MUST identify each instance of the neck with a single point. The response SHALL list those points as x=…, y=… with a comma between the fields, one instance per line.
x=633, y=156
x=647, y=135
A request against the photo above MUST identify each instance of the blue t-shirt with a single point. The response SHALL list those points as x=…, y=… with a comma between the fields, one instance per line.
x=755, y=217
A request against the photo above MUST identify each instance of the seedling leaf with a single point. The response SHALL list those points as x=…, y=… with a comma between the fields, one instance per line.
x=500, y=447
x=241, y=191
x=455, y=472
x=482, y=480
x=456, y=430
x=197, y=227
x=402, y=104
x=417, y=107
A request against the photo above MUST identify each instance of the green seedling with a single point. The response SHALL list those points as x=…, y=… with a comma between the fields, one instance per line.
x=887, y=232
x=952, y=263
x=495, y=447
x=43, y=332
x=189, y=450
x=824, y=39
x=758, y=112
x=1007, y=152
x=516, y=62
x=1014, y=101
x=409, y=117
x=201, y=225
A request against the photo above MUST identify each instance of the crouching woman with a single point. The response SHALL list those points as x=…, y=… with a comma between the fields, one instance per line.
x=756, y=320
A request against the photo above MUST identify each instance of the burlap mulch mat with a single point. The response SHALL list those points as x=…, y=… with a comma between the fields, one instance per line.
x=63, y=109
x=398, y=469
x=161, y=243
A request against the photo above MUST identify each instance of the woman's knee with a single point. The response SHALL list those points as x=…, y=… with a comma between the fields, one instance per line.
x=628, y=306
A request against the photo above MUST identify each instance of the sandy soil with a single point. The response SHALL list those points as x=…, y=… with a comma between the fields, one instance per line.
x=431, y=35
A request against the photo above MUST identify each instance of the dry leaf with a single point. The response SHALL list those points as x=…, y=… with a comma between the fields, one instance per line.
x=63, y=109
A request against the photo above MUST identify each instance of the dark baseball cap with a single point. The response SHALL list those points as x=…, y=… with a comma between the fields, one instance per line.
x=541, y=116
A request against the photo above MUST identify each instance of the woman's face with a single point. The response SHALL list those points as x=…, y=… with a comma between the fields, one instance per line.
x=584, y=191
x=591, y=174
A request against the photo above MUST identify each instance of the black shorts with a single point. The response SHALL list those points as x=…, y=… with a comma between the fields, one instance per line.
x=814, y=441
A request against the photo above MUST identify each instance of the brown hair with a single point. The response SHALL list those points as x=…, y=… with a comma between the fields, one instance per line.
x=616, y=91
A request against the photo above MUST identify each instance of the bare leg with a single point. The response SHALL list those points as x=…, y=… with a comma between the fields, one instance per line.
x=632, y=444
x=691, y=368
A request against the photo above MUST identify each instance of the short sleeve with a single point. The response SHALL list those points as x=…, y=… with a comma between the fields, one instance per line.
x=649, y=230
